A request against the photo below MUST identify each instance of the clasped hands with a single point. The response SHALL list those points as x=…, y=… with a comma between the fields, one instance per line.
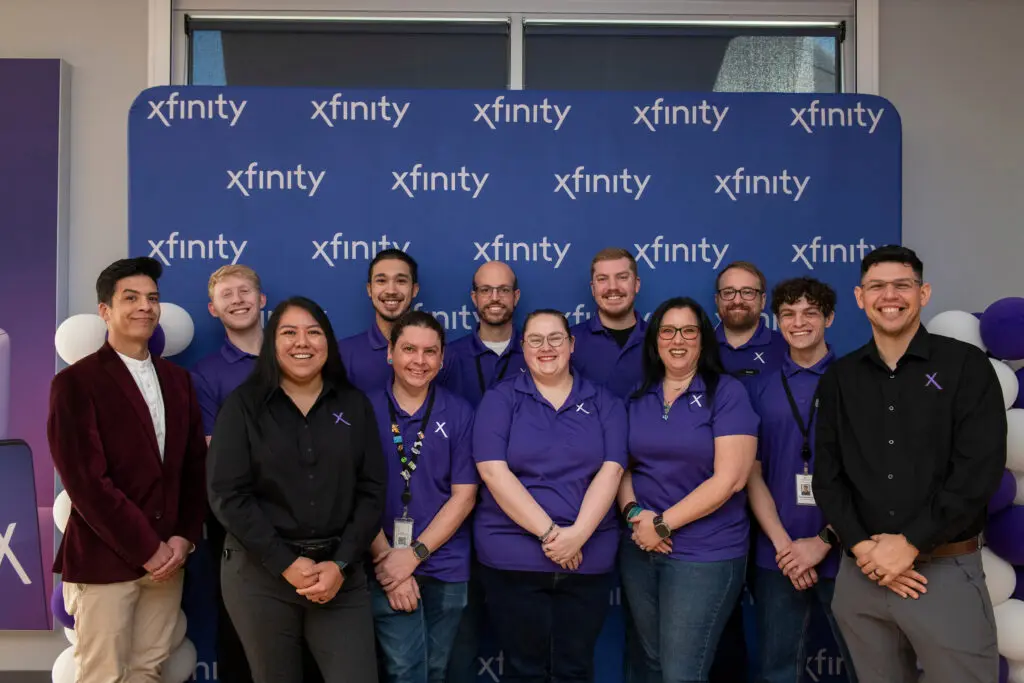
x=168, y=558
x=318, y=582
x=394, y=568
x=563, y=546
x=646, y=537
x=888, y=560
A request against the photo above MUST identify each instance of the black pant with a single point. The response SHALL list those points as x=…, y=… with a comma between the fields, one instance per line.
x=547, y=623
x=232, y=666
x=274, y=622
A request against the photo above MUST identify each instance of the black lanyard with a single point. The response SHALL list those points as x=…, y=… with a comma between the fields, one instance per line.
x=409, y=461
x=480, y=370
x=805, y=431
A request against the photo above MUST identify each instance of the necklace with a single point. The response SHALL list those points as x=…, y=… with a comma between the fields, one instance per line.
x=667, y=404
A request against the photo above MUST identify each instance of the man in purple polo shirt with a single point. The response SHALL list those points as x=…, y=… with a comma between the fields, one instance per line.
x=797, y=553
x=236, y=299
x=392, y=283
x=492, y=352
x=609, y=346
x=747, y=346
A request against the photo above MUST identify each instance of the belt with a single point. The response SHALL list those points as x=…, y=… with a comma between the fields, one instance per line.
x=316, y=549
x=953, y=549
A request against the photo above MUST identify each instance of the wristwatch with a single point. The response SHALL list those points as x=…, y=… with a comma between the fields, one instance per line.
x=421, y=551
x=631, y=510
x=343, y=566
x=663, y=529
x=828, y=536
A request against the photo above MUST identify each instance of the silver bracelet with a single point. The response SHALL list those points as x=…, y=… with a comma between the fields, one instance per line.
x=547, y=533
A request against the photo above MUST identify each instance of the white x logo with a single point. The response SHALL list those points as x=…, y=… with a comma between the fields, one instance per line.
x=581, y=409
x=759, y=355
x=440, y=428
x=7, y=551
x=695, y=400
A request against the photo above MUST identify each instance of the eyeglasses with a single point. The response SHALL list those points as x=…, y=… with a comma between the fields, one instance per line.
x=747, y=293
x=555, y=339
x=878, y=286
x=668, y=333
x=486, y=290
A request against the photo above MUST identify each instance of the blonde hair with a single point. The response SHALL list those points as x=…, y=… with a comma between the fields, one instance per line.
x=224, y=272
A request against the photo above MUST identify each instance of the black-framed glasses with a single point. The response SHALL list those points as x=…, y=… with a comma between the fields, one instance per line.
x=668, y=332
x=486, y=290
x=902, y=285
x=555, y=339
x=746, y=293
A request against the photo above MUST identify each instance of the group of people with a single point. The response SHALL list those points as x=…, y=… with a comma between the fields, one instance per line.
x=372, y=501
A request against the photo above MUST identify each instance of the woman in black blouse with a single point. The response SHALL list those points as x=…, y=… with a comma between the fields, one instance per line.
x=297, y=477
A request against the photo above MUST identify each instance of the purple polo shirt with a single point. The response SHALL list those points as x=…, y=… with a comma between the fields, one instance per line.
x=598, y=357
x=779, y=449
x=444, y=460
x=671, y=457
x=555, y=455
x=761, y=355
x=470, y=368
x=365, y=356
x=216, y=376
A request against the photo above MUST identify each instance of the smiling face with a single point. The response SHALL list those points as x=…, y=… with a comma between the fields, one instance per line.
x=237, y=302
x=679, y=349
x=133, y=312
x=391, y=288
x=301, y=345
x=739, y=312
x=416, y=357
x=494, y=293
x=802, y=325
x=547, y=346
x=614, y=286
x=892, y=296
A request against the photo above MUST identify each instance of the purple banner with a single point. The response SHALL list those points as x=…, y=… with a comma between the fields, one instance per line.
x=22, y=579
x=32, y=298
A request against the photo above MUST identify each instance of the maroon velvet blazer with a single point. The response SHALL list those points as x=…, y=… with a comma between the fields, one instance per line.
x=125, y=501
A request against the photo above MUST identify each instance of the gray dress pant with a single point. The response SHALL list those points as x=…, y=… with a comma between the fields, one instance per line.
x=272, y=622
x=950, y=630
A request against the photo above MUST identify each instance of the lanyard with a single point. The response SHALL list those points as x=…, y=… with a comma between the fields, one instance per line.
x=408, y=461
x=500, y=374
x=805, y=431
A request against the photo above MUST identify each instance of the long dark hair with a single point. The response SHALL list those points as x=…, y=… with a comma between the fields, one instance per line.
x=267, y=373
x=709, y=365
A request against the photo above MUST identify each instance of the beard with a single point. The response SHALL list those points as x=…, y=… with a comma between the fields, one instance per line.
x=744, y=318
x=502, y=318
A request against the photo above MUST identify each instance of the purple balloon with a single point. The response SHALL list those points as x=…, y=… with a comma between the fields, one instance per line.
x=1005, y=534
x=1004, y=669
x=977, y=314
x=1002, y=328
x=1018, y=592
x=1005, y=495
x=157, y=342
x=57, y=607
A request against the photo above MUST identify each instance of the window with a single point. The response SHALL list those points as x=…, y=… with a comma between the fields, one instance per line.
x=345, y=53
x=580, y=56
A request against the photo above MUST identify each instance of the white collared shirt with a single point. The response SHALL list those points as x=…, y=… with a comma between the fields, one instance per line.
x=144, y=373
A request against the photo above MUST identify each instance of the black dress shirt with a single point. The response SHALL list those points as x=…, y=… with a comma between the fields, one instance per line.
x=918, y=450
x=275, y=474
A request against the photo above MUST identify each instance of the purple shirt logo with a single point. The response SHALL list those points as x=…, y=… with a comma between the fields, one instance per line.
x=695, y=400
x=759, y=356
x=581, y=409
x=340, y=417
x=931, y=381
x=440, y=428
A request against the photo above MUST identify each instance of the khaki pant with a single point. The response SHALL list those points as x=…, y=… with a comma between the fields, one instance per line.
x=125, y=631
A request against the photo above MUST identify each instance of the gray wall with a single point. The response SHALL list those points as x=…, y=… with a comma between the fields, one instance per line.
x=953, y=70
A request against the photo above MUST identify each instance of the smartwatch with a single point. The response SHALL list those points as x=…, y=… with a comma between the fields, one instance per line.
x=421, y=551
x=828, y=536
x=663, y=529
x=343, y=566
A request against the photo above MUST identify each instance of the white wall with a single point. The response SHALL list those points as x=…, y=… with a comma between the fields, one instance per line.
x=952, y=68
x=104, y=41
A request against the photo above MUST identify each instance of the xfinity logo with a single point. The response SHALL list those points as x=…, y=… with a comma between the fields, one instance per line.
x=502, y=112
x=335, y=108
x=659, y=251
x=815, y=116
x=418, y=180
x=579, y=182
x=500, y=250
x=250, y=179
x=494, y=667
x=830, y=253
x=175, y=247
x=459, y=319
x=821, y=664
x=739, y=183
x=7, y=552
x=337, y=249
x=659, y=114
x=173, y=109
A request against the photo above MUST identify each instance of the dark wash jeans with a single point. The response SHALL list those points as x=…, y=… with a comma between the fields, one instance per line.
x=547, y=623
x=679, y=609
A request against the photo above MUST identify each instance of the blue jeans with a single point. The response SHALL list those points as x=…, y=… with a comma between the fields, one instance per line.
x=679, y=609
x=783, y=614
x=416, y=645
x=547, y=623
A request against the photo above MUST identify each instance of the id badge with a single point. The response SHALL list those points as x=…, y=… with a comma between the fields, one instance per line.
x=804, y=491
x=402, y=537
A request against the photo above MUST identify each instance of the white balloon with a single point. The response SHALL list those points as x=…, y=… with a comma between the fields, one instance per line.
x=1016, y=672
x=79, y=336
x=181, y=664
x=958, y=325
x=178, y=328
x=1007, y=381
x=1009, y=629
x=1015, y=365
x=999, y=576
x=1019, y=498
x=179, y=630
x=64, y=668
x=61, y=510
x=1015, y=440
x=70, y=634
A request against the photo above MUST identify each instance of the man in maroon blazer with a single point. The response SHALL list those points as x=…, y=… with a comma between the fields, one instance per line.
x=126, y=436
